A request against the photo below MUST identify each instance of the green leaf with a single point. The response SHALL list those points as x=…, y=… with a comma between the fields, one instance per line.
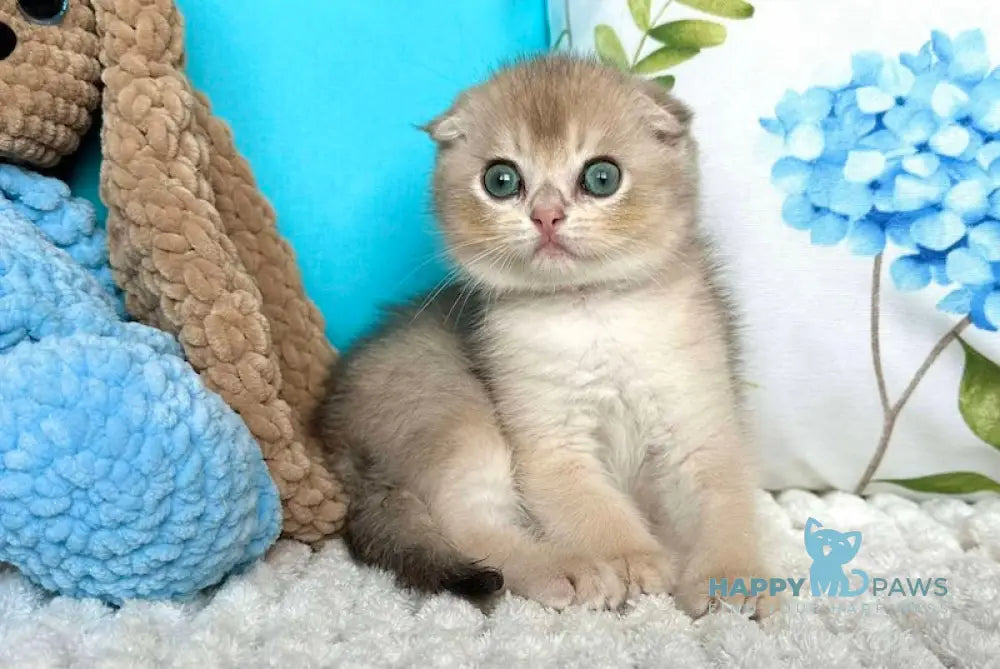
x=693, y=34
x=640, y=13
x=668, y=81
x=979, y=395
x=609, y=47
x=951, y=483
x=727, y=9
x=663, y=58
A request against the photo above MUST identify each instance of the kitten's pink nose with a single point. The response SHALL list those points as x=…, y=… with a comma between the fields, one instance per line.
x=547, y=217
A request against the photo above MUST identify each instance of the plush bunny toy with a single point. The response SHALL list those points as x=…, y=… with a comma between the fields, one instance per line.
x=121, y=475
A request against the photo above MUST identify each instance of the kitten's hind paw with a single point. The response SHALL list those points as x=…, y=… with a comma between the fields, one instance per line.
x=696, y=598
x=569, y=581
x=644, y=572
x=597, y=584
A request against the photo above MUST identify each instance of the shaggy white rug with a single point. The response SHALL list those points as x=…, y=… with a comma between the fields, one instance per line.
x=301, y=609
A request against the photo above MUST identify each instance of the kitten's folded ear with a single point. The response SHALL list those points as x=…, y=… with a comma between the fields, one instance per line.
x=670, y=118
x=447, y=127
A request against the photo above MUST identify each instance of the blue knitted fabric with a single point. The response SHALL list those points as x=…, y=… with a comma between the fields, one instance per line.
x=121, y=475
x=68, y=222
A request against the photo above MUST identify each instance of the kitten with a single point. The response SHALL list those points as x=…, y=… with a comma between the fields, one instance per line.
x=565, y=420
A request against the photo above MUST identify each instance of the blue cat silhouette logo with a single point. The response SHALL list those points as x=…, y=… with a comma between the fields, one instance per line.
x=830, y=551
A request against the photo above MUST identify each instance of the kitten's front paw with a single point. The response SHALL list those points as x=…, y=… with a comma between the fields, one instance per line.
x=725, y=589
x=644, y=572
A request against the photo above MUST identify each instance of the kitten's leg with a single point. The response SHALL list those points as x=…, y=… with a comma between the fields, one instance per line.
x=566, y=488
x=713, y=506
x=413, y=434
x=475, y=503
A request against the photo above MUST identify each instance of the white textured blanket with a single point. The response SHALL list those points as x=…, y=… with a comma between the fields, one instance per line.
x=320, y=610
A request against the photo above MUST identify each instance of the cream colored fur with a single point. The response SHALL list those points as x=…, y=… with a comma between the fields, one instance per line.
x=570, y=419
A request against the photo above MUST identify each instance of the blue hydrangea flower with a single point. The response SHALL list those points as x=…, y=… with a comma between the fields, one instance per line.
x=908, y=154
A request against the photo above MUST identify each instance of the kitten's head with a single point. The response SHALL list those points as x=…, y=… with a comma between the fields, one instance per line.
x=560, y=172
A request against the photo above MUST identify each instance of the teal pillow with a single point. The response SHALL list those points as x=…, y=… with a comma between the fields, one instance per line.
x=324, y=103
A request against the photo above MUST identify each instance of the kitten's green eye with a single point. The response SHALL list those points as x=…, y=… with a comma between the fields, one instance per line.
x=601, y=178
x=502, y=181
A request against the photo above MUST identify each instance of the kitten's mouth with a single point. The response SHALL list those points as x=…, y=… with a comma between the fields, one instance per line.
x=552, y=248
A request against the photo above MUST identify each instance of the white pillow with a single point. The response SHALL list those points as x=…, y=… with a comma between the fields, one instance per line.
x=807, y=307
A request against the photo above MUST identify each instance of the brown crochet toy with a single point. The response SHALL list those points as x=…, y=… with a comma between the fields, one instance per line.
x=48, y=79
x=193, y=242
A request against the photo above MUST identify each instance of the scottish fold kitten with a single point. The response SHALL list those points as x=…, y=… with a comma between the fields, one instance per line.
x=564, y=420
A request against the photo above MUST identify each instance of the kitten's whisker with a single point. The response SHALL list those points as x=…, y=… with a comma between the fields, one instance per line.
x=438, y=288
x=451, y=276
x=467, y=289
x=442, y=255
x=469, y=284
x=461, y=290
x=473, y=285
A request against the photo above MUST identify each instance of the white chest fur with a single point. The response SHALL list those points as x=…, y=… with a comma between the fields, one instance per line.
x=581, y=343
x=607, y=366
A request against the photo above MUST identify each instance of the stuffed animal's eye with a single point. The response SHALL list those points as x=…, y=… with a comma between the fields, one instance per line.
x=501, y=180
x=8, y=40
x=601, y=178
x=44, y=11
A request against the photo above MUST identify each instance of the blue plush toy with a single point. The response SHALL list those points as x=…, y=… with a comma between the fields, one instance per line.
x=121, y=476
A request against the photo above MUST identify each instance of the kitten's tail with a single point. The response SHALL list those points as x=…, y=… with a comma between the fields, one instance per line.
x=864, y=583
x=393, y=529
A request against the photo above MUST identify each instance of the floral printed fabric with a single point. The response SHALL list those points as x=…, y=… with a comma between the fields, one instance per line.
x=871, y=130
x=909, y=150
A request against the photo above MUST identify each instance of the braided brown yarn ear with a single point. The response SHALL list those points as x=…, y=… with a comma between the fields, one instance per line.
x=297, y=329
x=195, y=248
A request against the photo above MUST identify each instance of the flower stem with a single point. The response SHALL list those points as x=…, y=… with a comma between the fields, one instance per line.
x=883, y=394
x=568, y=31
x=645, y=33
x=890, y=417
